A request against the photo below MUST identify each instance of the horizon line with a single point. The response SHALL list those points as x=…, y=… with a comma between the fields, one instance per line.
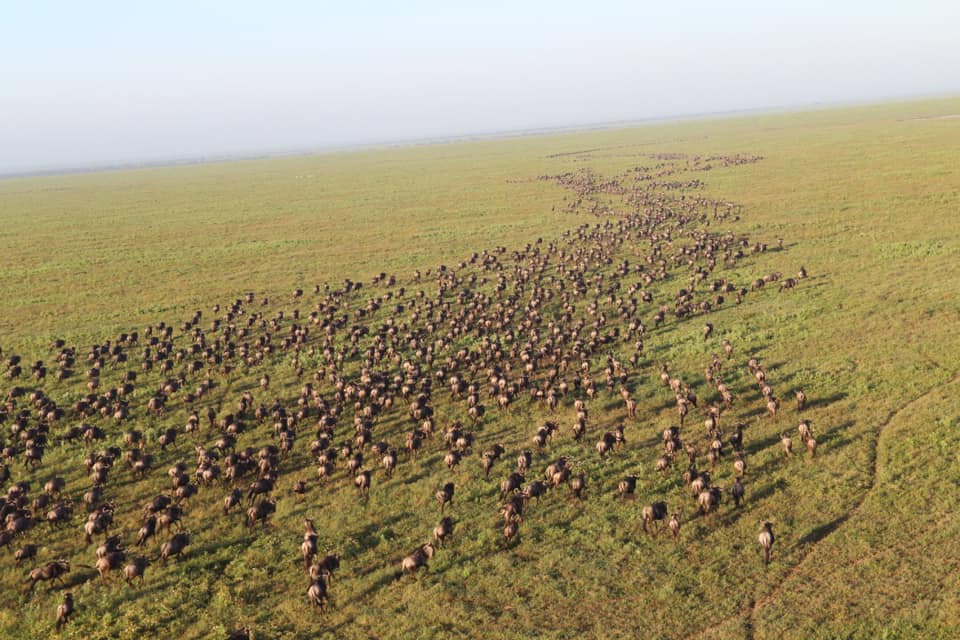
x=264, y=154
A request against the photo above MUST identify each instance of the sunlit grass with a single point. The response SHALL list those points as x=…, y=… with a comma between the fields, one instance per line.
x=865, y=198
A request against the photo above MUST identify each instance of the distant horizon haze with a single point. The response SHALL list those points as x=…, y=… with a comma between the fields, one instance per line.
x=110, y=84
x=237, y=155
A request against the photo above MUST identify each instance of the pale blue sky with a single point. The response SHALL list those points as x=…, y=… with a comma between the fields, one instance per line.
x=103, y=82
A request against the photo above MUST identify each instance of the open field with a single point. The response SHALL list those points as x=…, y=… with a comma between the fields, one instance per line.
x=864, y=198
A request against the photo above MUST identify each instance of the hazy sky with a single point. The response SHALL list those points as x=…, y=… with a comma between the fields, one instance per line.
x=101, y=82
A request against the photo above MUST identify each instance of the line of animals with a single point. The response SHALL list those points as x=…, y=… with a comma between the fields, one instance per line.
x=557, y=322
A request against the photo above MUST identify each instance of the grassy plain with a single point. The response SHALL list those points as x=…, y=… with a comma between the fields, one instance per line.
x=865, y=198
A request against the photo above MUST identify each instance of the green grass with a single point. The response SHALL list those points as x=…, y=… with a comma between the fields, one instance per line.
x=865, y=198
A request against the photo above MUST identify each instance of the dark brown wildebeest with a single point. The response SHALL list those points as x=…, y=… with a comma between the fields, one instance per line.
x=261, y=511
x=512, y=483
x=443, y=530
x=605, y=444
x=135, y=570
x=325, y=568
x=175, y=547
x=654, y=513
x=445, y=495
x=52, y=571
x=417, y=559
x=109, y=561
x=55, y=486
x=737, y=492
x=232, y=500
x=535, y=489
x=26, y=552
x=626, y=487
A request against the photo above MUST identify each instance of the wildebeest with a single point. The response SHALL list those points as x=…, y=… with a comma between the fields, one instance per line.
x=325, y=568
x=317, y=594
x=362, y=482
x=64, y=611
x=490, y=456
x=737, y=492
x=147, y=530
x=787, y=445
x=98, y=521
x=261, y=487
x=52, y=571
x=261, y=511
x=60, y=513
x=534, y=490
x=308, y=548
x=445, y=495
x=626, y=487
x=389, y=462
x=325, y=471
x=605, y=444
x=55, y=486
x=512, y=483
x=157, y=504
x=511, y=529
x=739, y=466
x=452, y=459
x=773, y=405
x=232, y=500
x=443, y=530
x=169, y=517
x=709, y=499
x=175, y=546
x=663, y=463
x=654, y=513
x=135, y=569
x=675, y=525
x=801, y=399
x=523, y=463
x=109, y=561
x=766, y=541
x=418, y=558
x=26, y=552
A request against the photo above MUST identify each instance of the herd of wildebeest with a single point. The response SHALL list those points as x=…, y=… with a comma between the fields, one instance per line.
x=557, y=323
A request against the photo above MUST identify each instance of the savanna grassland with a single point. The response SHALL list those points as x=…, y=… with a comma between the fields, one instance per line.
x=865, y=199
